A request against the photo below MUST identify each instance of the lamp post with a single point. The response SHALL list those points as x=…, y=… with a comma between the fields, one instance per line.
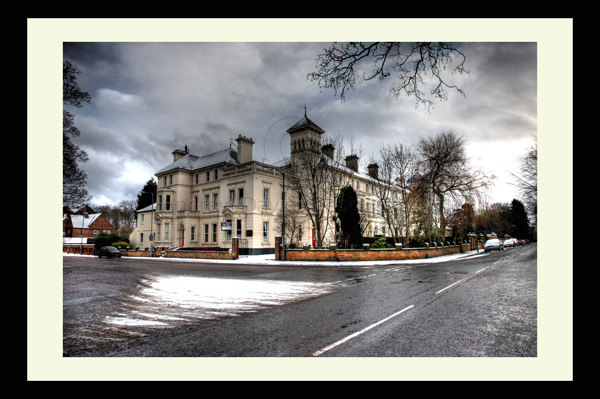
x=151, y=219
x=283, y=215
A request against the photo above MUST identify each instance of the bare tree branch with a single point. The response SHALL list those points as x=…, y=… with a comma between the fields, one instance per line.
x=339, y=67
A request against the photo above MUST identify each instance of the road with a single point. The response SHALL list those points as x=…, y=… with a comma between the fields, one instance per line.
x=481, y=306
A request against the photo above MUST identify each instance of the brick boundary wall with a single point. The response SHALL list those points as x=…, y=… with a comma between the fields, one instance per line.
x=233, y=254
x=76, y=249
x=369, y=254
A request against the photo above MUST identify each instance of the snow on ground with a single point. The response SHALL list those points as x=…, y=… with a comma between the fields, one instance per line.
x=167, y=301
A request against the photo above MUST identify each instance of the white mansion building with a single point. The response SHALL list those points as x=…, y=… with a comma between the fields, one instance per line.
x=204, y=201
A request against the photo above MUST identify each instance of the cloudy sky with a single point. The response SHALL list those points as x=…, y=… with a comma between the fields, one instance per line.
x=151, y=96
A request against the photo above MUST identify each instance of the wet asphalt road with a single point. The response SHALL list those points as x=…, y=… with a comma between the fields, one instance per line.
x=481, y=306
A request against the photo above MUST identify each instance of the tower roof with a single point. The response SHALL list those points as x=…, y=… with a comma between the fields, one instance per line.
x=305, y=123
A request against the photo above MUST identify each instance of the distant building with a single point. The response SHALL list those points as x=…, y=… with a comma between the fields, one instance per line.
x=78, y=228
x=140, y=237
x=86, y=225
x=204, y=201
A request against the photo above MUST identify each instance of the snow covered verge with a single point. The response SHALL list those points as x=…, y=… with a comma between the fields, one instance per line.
x=270, y=260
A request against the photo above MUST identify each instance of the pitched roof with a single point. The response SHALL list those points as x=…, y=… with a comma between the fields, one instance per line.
x=149, y=208
x=79, y=221
x=303, y=124
x=193, y=162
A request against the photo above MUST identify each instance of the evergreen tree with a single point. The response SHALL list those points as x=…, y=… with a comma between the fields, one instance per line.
x=148, y=193
x=347, y=212
x=519, y=220
x=75, y=194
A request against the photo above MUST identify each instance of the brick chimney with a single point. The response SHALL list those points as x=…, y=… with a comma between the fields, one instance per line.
x=244, y=149
x=373, y=170
x=352, y=162
x=328, y=149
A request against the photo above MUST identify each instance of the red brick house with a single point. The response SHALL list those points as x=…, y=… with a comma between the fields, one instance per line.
x=86, y=225
x=78, y=228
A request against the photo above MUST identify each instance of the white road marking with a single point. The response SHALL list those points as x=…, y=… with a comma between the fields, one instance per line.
x=451, y=285
x=349, y=337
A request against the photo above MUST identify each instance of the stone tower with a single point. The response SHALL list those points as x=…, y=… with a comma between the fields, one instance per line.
x=305, y=135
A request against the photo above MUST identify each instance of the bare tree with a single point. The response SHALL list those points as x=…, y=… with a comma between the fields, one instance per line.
x=122, y=216
x=445, y=171
x=293, y=218
x=385, y=189
x=339, y=66
x=310, y=176
x=526, y=180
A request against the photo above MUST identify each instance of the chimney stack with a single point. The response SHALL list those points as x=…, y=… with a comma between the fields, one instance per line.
x=244, y=147
x=177, y=154
x=373, y=170
x=352, y=162
x=328, y=149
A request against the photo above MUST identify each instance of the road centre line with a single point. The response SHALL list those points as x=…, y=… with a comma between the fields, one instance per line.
x=451, y=285
x=349, y=337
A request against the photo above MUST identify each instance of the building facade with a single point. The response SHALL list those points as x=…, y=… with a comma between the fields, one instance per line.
x=205, y=201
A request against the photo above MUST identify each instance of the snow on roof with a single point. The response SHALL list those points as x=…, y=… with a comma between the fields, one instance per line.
x=75, y=240
x=148, y=208
x=194, y=162
x=80, y=221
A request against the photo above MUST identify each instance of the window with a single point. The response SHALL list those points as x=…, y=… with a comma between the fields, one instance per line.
x=231, y=197
x=167, y=202
x=228, y=232
x=160, y=202
x=166, y=231
x=193, y=233
x=158, y=231
x=206, y=203
x=141, y=238
x=300, y=233
x=238, y=230
x=214, y=232
x=195, y=202
x=265, y=232
x=216, y=174
x=215, y=201
x=266, y=197
x=170, y=180
x=196, y=178
x=240, y=196
x=205, y=233
x=142, y=219
x=165, y=181
x=207, y=176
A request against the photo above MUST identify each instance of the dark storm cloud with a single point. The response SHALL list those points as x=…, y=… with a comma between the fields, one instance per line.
x=151, y=98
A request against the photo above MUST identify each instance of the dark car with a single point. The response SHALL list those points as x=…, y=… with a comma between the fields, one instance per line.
x=109, y=252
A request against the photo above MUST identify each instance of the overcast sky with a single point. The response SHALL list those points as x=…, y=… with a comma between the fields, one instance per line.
x=151, y=98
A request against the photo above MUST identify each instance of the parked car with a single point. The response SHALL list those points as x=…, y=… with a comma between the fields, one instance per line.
x=493, y=244
x=109, y=252
x=510, y=243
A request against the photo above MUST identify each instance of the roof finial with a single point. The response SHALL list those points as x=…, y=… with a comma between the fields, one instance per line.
x=305, y=110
